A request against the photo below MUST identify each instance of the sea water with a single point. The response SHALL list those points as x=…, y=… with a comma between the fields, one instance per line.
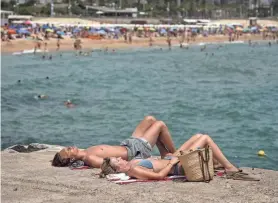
x=229, y=92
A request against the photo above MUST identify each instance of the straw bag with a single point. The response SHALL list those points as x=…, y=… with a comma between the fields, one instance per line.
x=197, y=164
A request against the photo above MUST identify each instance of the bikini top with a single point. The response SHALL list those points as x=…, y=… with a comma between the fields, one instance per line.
x=148, y=164
x=145, y=163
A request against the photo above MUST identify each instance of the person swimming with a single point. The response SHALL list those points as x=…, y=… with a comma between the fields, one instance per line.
x=69, y=104
x=50, y=57
x=19, y=81
x=42, y=96
x=47, y=77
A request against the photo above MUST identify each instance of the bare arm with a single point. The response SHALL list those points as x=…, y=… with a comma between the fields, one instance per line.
x=94, y=161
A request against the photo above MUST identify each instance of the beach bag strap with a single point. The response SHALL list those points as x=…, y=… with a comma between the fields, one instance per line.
x=204, y=161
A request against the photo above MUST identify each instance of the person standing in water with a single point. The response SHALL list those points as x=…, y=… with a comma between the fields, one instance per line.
x=58, y=44
x=150, y=41
x=130, y=38
x=169, y=42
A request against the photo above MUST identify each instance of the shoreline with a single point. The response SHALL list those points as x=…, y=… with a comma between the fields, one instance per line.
x=26, y=174
x=89, y=44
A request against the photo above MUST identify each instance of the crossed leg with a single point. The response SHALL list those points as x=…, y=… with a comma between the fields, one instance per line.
x=156, y=133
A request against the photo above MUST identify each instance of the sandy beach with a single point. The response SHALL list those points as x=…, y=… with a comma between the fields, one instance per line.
x=88, y=44
x=30, y=178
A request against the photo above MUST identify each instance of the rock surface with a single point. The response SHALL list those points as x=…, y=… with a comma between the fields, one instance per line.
x=29, y=177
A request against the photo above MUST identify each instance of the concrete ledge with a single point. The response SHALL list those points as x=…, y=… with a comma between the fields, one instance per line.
x=30, y=178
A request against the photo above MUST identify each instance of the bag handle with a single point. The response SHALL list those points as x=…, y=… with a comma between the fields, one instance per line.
x=202, y=161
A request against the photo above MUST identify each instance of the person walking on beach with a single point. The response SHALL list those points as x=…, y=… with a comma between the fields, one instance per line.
x=158, y=169
x=147, y=134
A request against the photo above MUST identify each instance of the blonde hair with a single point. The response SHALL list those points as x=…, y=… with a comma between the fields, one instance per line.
x=106, y=168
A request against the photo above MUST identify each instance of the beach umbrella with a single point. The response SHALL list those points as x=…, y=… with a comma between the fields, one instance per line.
x=92, y=30
x=28, y=22
x=24, y=32
x=163, y=31
x=246, y=30
x=99, y=12
x=254, y=28
x=76, y=30
x=11, y=31
x=45, y=26
x=274, y=29
x=60, y=33
x=140, y=28
x=101, y=32
x=49, y=30
x=230, y=26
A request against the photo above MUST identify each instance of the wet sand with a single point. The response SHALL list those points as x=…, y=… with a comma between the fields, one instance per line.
x=29, y=178
x=89, y=44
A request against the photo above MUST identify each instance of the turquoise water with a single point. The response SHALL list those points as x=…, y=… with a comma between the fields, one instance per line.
x=232, y=96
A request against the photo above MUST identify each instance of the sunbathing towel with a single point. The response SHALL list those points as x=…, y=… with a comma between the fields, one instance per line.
x=122, y=179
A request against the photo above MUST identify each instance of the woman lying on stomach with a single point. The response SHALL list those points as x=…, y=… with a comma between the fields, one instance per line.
x=156, y=169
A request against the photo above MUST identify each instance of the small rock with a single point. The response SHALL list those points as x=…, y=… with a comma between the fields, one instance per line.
x=15, y=189
x=228, y=186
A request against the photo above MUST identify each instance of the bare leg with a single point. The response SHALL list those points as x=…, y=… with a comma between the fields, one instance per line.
x=162, y=150
x=143, y=126
x=204, y=141
x=188, y=143
x=159, y=131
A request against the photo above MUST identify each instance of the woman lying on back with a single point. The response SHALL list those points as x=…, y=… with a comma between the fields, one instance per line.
x=155, y=169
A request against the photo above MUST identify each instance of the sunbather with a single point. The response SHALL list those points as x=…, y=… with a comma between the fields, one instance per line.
x=155, y=169
x=148, y=133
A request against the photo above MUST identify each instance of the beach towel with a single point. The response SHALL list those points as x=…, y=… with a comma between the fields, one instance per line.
x=123, y=179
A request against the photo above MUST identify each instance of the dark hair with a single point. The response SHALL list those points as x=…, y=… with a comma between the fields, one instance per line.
x=59, y=162
x=106, y=168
